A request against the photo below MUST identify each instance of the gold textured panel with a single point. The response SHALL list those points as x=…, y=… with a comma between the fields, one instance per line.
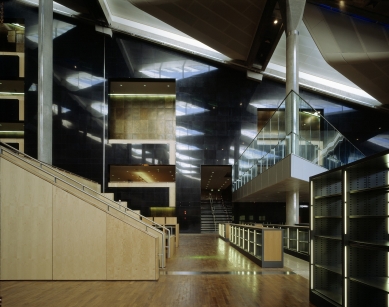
x=272, y=245
x=26, y=224
x=142, y=118
x=79, y=239
x=131, y=253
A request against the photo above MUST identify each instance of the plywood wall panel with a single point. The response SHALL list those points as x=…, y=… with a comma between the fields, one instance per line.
x=130, y=252
x=273, y=245
x=26, y=224
x=79, y=239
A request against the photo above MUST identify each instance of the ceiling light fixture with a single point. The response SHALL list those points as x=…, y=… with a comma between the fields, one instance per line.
x=275, y=21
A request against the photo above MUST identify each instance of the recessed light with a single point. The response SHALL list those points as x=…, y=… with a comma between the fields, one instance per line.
x=121, y=84
x=275, y=21
x=144, y=84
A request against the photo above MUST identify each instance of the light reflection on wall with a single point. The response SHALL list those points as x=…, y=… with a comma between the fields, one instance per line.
x=251, y=134
x=186, y=165
x=182, y=146
x=380, y=140
x=185, y=157
x=191, y=177
x=59, y=28
x=185, y=108
x=82, y=80
x=182, y=131
x=178, y=70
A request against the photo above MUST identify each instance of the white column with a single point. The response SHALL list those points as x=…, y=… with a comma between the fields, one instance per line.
x=292, y=207
x=294, y=13
x=45, y=81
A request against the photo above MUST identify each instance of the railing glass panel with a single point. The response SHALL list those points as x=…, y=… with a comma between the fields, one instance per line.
x=316, y=141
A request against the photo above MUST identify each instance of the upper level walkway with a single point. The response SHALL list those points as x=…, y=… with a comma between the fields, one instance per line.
x=278, y=160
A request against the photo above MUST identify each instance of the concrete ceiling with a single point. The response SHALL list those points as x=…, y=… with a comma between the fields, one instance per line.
x=358, y=49
x=243, y=34
x=226, y=26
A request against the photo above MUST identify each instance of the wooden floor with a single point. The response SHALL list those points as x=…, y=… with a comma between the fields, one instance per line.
x=205, y=271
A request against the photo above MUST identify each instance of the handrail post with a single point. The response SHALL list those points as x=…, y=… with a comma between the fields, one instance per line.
x=163, y=249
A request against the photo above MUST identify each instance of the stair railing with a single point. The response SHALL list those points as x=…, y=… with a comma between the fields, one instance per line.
x=213, y=211
x=100, y=197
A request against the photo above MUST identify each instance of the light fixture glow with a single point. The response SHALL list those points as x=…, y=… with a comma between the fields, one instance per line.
x=143, y=95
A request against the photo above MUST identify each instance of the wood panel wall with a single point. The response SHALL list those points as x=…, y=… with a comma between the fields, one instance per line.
x=274, y=248
x=49, y=233
x=26, y=224
x=79, y=239
x=121, y=242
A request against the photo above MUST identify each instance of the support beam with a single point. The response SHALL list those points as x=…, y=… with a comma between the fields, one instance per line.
x=292, y=207
x=294, y=12
x=45, y=81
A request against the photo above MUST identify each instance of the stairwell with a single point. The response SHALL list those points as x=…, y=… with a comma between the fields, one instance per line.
x=213, y=214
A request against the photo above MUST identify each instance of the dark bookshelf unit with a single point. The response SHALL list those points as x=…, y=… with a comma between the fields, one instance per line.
x=349, y=228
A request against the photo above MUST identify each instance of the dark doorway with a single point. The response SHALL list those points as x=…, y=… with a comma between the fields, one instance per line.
x=216, y=196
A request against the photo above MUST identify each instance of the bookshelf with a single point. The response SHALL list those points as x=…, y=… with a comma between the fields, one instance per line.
x=350, y=234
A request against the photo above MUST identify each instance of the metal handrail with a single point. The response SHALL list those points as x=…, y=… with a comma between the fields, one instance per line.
x=101, y=200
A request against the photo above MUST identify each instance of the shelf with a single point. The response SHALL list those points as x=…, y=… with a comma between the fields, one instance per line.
x=381, y=283
x=332, y=268
x=372, y=243
x=337, y=238
x=336, y=297
x=385, y=187
x=328, y=196
x=367, y=216
x=304, y=242
x=363, y=206
x=292, y=239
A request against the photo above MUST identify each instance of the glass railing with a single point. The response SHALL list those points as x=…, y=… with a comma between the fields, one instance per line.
x=317, y=141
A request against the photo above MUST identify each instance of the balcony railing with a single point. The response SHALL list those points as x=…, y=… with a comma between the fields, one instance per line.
x=317, y=141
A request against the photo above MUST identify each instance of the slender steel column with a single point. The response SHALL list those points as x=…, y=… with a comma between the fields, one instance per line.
x=294, y=13
x=45, y=81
